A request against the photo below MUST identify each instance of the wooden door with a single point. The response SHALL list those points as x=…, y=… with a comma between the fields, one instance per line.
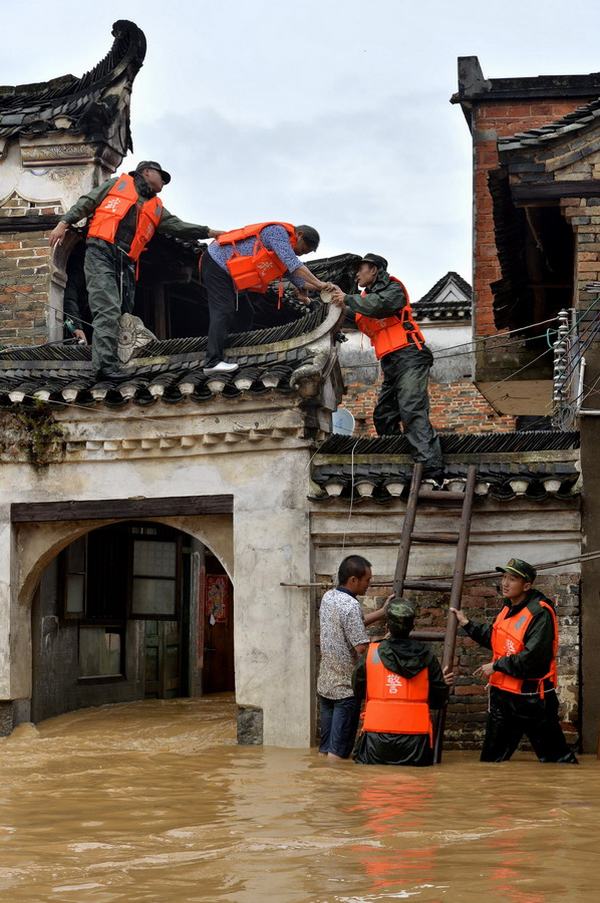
x=218, y=674
x=162, y=659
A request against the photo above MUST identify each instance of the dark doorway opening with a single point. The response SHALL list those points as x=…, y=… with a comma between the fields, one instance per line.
x=218, y=675
x=130, y=611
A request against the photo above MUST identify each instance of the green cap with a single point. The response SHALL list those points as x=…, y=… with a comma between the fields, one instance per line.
x=400, y=609
x=519, y=568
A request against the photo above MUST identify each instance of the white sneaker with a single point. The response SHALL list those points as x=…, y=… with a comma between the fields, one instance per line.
x=221, y=367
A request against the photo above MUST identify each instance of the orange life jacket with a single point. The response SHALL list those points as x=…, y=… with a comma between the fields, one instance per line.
x=256, y=271
x=395, y=704
x=116, y=205
x=508, y=638
x=388, y=334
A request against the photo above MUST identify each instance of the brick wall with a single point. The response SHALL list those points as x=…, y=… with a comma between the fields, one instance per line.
x=24, y=277
x=584, y=216
x=467, y=712
x=456, y=407
x=490, y=122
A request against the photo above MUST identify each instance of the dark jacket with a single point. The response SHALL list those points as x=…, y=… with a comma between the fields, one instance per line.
x=383, y=299
x=534, y=661
x=405, y=657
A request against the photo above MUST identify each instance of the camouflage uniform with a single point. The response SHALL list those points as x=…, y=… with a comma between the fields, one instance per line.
x=110, y=272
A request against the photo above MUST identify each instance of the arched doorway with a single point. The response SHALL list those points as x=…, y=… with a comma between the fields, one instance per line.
x=131, y=610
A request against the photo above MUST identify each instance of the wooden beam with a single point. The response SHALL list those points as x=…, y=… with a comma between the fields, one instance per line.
x=554, y=191
x=120, y=509
x=32, y=223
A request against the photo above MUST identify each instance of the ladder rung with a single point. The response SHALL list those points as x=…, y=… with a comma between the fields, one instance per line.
x=431, y=585
x=433, y=636
x=447, y=538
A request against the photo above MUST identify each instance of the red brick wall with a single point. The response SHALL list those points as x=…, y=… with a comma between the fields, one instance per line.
x=456, y=407
x=491, y=121
x=24, y=277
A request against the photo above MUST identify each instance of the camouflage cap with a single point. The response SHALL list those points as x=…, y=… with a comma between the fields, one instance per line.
x=400, y=609
x=519, y=568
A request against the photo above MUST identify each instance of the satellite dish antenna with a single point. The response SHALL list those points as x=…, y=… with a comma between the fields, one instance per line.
x=343, y=422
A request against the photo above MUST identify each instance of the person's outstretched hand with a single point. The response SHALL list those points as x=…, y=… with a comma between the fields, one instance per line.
x=460, y=616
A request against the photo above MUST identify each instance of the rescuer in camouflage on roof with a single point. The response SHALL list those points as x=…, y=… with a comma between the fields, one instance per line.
x=125, y=213
x=382, y=312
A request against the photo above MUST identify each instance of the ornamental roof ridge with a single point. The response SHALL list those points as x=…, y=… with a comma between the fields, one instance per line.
x=82, y=103
x=293, y=357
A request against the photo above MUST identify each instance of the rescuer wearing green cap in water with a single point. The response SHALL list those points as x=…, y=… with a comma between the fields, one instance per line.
x=522, y=674
x=401, y=681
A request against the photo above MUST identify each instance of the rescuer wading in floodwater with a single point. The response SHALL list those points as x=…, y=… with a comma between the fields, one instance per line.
x=400, y=680
x=522, y=674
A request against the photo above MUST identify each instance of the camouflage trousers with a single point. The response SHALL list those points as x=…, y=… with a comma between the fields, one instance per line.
x=404, y=399
x=110, y=281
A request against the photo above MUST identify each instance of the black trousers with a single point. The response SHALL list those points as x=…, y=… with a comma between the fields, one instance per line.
x=404, y=399
x=225, y=308
x=511, y=717
x=394, y=749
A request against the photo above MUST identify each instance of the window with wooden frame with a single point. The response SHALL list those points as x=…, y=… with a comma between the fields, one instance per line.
x=101, y=652
x=155, y=577
x=110, y=575
x=73, y=571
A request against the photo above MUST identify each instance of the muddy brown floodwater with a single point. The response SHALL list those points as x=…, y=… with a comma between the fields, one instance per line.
x=153, y=801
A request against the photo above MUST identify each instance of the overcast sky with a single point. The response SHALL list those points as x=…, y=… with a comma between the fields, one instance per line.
x=334, y=113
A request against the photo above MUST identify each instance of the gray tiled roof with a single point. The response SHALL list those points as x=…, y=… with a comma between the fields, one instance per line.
x=171, y=369
x=434, y=306
x=569, y=124
x=534, y=464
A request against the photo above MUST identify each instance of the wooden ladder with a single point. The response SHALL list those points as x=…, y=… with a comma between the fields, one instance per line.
x=455, y=586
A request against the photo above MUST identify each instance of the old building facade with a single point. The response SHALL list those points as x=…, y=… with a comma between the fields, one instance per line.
x=535, y=252
x=168, y=534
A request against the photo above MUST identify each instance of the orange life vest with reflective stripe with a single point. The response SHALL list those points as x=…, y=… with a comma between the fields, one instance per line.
x=256, y=271
x=395, y=704
x=508, y=638
x=116, y=205
x=388, y=334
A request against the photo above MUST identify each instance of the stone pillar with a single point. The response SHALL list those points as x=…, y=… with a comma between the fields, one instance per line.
x=590, y=571
x=6, y=559
x=273, y=624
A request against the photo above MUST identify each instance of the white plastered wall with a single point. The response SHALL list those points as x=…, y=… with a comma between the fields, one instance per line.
x=265, y=543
